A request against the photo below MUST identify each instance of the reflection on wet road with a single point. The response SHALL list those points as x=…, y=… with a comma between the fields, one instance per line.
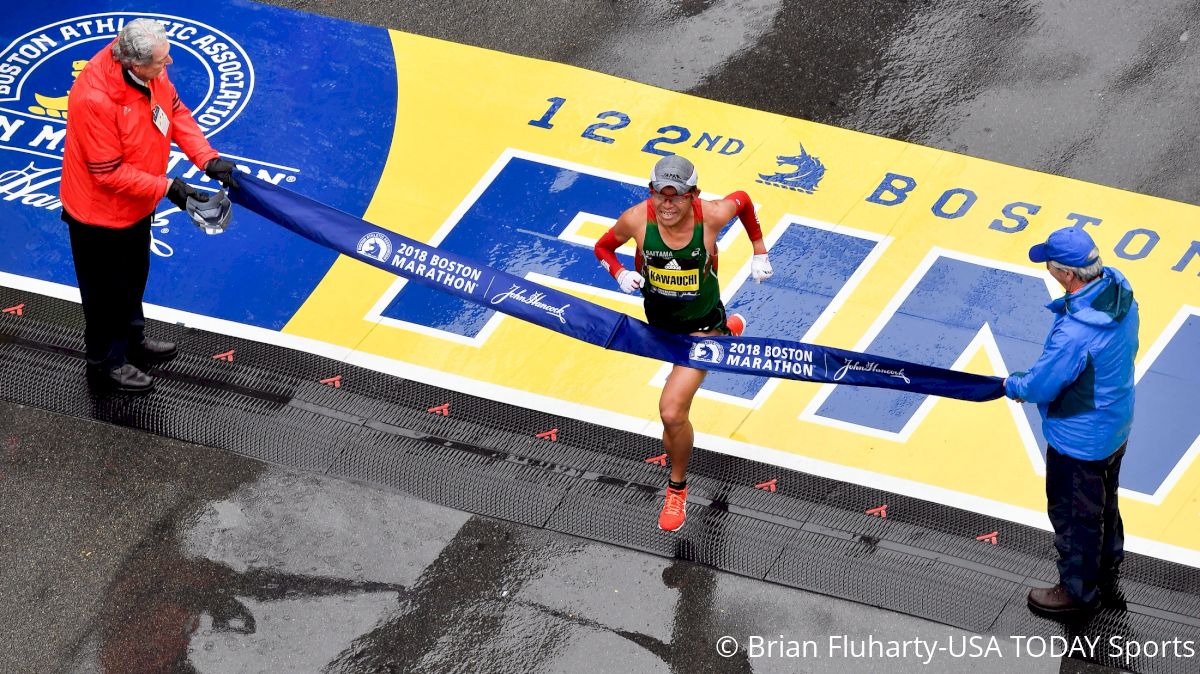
x=126, y=552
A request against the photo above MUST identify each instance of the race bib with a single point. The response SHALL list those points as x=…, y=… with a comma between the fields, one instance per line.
x=160, y=119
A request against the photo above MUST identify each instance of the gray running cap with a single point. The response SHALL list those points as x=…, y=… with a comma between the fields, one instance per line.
x=673, y=171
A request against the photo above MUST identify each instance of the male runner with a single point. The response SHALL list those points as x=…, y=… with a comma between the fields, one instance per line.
x=676, y=236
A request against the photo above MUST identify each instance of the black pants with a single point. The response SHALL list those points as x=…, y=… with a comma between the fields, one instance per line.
x=111, y=266
x=1082, y=503
x=659, y=317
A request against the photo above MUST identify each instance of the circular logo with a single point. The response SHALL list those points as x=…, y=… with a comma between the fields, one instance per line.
x=707, y=351
x=375, y=245
x=212, y=72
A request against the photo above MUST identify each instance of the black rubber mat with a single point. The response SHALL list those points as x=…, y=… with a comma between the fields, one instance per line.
x=490, y=458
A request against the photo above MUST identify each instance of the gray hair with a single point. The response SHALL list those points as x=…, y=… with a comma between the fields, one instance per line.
x=1086, y=273
x=135, y=45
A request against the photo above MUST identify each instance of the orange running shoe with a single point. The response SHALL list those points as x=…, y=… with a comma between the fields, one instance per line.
x=674, y=510
x=736, y=324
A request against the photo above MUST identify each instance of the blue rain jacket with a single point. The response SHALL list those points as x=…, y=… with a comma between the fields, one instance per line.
x=1083, y=381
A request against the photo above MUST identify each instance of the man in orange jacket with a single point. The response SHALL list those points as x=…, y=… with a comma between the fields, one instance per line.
x=122, y=115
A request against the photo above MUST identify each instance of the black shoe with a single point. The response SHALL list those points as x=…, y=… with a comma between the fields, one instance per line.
x=150, y=353
x=124, y=379
x=1055, y=602
x=1112, y=597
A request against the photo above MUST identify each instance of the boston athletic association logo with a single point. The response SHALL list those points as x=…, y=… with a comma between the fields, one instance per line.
x=376, y=246
x=707, y=351
x=38, y=68
x=804, y=175
x=212, y=72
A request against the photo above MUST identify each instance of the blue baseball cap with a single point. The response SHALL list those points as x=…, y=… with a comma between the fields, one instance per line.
x=1070, y=246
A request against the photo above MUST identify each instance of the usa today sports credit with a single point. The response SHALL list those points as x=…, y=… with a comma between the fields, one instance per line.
x=975, y=646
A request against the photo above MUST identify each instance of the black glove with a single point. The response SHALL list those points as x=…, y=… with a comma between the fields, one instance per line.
x=179, y=192
x=222, y=170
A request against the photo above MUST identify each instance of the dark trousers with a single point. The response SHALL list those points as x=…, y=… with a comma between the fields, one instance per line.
x=111, y=266
x=1082, y=501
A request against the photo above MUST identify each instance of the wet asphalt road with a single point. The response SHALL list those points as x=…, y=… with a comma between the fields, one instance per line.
x=126, y=552
x=1104, y=91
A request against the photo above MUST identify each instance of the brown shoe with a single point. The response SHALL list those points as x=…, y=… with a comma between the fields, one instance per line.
x=1055, y=601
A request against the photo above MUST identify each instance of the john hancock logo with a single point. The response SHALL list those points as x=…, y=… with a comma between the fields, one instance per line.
x=805, y=172
x=534, y=299
x=869, y=366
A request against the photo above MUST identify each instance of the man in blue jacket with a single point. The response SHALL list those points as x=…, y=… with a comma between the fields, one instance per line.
x=1083, y=386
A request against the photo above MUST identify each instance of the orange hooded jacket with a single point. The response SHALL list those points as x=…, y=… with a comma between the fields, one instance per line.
x=115, y=158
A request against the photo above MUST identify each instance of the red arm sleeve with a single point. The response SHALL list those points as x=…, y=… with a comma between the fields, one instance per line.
x=187, y=134
x=104, y=158
x=746, y=214
x=606, y=252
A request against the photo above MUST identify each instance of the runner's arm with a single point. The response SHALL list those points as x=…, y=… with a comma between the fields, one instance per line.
x=745, y=212
x=606, y=252
x=614, y=238
x=739, y=204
